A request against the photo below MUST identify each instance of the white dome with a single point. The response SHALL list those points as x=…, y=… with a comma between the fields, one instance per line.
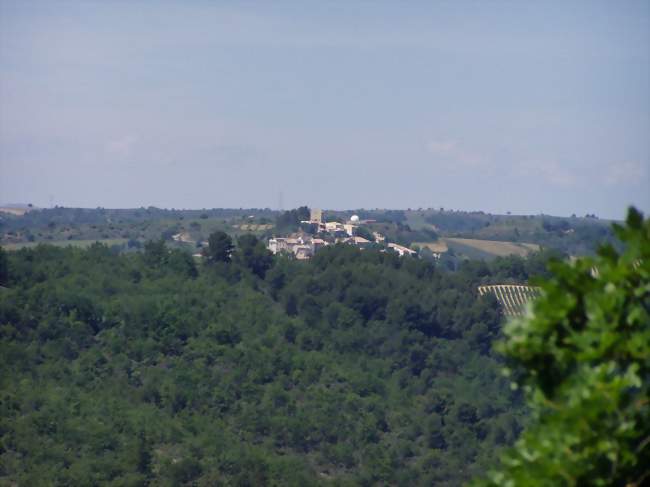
x=354, y=218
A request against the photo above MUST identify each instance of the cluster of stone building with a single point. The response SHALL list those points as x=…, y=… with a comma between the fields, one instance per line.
x=304, y=245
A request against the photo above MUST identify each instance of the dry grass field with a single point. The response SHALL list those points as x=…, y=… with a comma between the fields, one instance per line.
x=254, y=227
x=476, y=248
x=15, y=211
x=439, y=246
x=494, y=247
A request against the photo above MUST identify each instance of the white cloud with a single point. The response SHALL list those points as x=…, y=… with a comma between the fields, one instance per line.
x=550, y=171
x=441, y=147
x=557, y=173
x=121, y=147
x=626, y=172
x=454, y=152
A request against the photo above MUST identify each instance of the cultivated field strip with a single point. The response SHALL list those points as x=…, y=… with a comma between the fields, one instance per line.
x=511, y=297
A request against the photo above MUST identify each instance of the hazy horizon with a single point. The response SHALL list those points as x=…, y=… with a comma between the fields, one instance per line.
x=175, y=208
x=520, y=107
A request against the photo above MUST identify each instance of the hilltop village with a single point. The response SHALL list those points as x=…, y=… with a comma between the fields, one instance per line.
x=315, y=234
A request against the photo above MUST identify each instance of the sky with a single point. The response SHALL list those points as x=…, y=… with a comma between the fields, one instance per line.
x=528, y=107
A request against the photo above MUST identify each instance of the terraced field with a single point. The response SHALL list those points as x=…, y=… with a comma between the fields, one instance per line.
x=511, y=297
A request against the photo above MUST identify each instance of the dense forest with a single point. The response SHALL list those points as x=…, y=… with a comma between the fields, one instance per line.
x=354, y=368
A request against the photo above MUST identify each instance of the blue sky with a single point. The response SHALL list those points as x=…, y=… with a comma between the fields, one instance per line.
x=526, y=107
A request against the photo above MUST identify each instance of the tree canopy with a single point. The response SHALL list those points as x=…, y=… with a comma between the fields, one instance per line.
x=253, y=254
x=220, y=247
x=290, y=220
x=355, y=368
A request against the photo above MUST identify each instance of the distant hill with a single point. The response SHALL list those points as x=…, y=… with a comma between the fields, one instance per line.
x=572, y=235
x=476, y=235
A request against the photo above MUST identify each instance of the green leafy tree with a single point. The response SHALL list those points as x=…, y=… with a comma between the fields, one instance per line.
x=219, y=248
x=583, y=359
x=291, y=219
x=155, y=252
x=182, y=263
x=253, y=254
